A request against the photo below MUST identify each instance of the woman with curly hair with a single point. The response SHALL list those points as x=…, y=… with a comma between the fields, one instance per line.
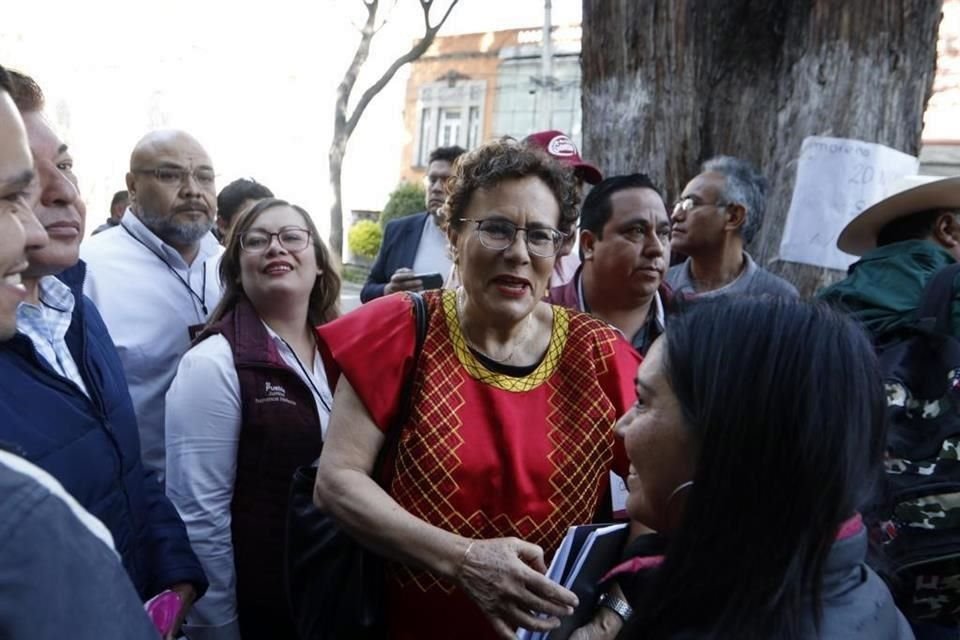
x=508, y=439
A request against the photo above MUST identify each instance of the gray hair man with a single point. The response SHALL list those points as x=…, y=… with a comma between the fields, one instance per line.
x=720, y=211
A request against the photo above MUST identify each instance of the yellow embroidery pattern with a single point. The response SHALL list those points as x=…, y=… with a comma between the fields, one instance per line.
x=579, y=420
x=558, y=339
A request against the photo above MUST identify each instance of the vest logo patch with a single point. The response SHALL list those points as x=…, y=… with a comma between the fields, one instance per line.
x=274, y=393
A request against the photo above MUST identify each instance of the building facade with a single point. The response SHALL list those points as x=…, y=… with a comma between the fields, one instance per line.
x=471, y=88
x=468, y=89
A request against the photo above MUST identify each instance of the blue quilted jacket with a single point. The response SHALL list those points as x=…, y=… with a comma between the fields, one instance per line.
x=92, y=446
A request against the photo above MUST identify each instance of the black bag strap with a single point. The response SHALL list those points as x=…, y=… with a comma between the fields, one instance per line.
x=406, y=392
x=934, y=310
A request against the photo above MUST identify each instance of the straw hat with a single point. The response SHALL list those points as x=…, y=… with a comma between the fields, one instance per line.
x=911, y=194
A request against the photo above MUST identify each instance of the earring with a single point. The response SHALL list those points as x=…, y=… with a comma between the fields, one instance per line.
x=673, y=494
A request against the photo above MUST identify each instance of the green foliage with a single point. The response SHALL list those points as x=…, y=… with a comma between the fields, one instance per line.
x=406, y=199
x=364, y=239
x=354, y=273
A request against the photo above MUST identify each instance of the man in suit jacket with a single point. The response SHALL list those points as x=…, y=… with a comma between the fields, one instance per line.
x=415, y=245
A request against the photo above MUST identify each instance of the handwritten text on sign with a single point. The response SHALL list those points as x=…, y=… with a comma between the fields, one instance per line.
x=837, y=178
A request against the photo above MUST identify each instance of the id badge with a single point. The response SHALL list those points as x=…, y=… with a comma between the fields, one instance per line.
x=194, y=330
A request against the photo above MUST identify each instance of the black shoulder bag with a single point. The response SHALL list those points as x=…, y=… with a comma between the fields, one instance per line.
x=334, y=585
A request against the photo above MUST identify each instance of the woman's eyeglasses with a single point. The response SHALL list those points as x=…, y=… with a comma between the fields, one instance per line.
x=497, y=235
x=293, y=239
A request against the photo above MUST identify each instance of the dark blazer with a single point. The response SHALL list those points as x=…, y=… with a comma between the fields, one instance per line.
x=401, y=239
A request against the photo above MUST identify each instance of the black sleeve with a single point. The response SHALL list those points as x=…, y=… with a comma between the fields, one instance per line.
x=379, y=277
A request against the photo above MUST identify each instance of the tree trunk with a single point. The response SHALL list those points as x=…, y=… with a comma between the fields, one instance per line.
x=335, y=157
x=670, y=83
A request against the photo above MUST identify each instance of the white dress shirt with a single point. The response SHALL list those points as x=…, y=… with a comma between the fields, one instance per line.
x=203, y=422
x=148, y=297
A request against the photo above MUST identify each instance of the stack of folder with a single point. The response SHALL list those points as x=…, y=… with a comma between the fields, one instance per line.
x=586, y=554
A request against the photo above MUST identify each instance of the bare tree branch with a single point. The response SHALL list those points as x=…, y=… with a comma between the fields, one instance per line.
x=343, y=126
x=442, y=20
x=386, y=18
x=359, y=57
x=417, y=50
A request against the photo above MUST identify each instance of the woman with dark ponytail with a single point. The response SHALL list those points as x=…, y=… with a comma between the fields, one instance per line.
x=756, y=437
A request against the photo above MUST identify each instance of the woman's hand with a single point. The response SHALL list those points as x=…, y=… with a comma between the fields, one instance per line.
x=504, y=576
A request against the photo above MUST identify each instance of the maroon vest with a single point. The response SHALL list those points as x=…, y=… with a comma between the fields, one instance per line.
x=280, y=431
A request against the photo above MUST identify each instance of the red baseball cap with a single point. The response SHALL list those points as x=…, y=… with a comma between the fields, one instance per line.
x=560, y=146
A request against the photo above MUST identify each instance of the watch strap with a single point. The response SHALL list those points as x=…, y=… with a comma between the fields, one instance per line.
x=616, y=604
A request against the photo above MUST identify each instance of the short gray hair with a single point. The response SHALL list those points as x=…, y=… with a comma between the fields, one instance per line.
x=743, y=185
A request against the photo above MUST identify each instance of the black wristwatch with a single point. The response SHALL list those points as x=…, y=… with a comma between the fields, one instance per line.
x=618, y=605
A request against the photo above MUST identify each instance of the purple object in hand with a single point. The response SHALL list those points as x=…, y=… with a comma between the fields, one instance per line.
x=162, y=609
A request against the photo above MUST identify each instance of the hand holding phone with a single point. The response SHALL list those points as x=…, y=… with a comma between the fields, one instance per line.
x=162, y=609
x=430, y=280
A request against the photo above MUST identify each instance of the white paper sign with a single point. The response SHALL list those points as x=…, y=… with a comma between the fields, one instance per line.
x=837, y=178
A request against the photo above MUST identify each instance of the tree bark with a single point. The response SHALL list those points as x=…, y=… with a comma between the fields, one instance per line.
x=345, y=121
x=669, y=83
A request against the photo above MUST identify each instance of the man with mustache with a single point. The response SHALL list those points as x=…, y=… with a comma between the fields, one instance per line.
x=720, y=211
x=64, y=404
x=154, y=277
x=625, y=245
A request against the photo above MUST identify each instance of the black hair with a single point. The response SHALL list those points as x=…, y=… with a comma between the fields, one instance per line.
x=446, y=154
x=6, y=84
x=596, y=209
x=119, y=196
x=790, y=445
x=916, y=226
x=26, y=93
x=232, y=197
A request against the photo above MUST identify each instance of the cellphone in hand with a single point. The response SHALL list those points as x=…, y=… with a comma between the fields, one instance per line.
x=430, y=280
x=162, y=609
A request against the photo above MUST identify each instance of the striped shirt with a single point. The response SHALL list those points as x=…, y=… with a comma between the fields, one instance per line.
x=46, y=325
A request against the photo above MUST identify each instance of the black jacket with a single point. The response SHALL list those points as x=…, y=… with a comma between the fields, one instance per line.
x=401, y=239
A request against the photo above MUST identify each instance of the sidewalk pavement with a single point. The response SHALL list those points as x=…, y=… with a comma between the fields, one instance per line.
x=349, y=296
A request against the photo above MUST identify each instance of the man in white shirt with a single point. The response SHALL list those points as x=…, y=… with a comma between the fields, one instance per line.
x=154, y=276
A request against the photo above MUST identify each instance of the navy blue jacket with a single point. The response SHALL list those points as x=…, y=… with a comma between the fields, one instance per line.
x=401, y=239
x=92, y=445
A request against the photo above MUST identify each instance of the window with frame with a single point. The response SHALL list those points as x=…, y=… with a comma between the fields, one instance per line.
x=448, y=113
x=519, y=105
